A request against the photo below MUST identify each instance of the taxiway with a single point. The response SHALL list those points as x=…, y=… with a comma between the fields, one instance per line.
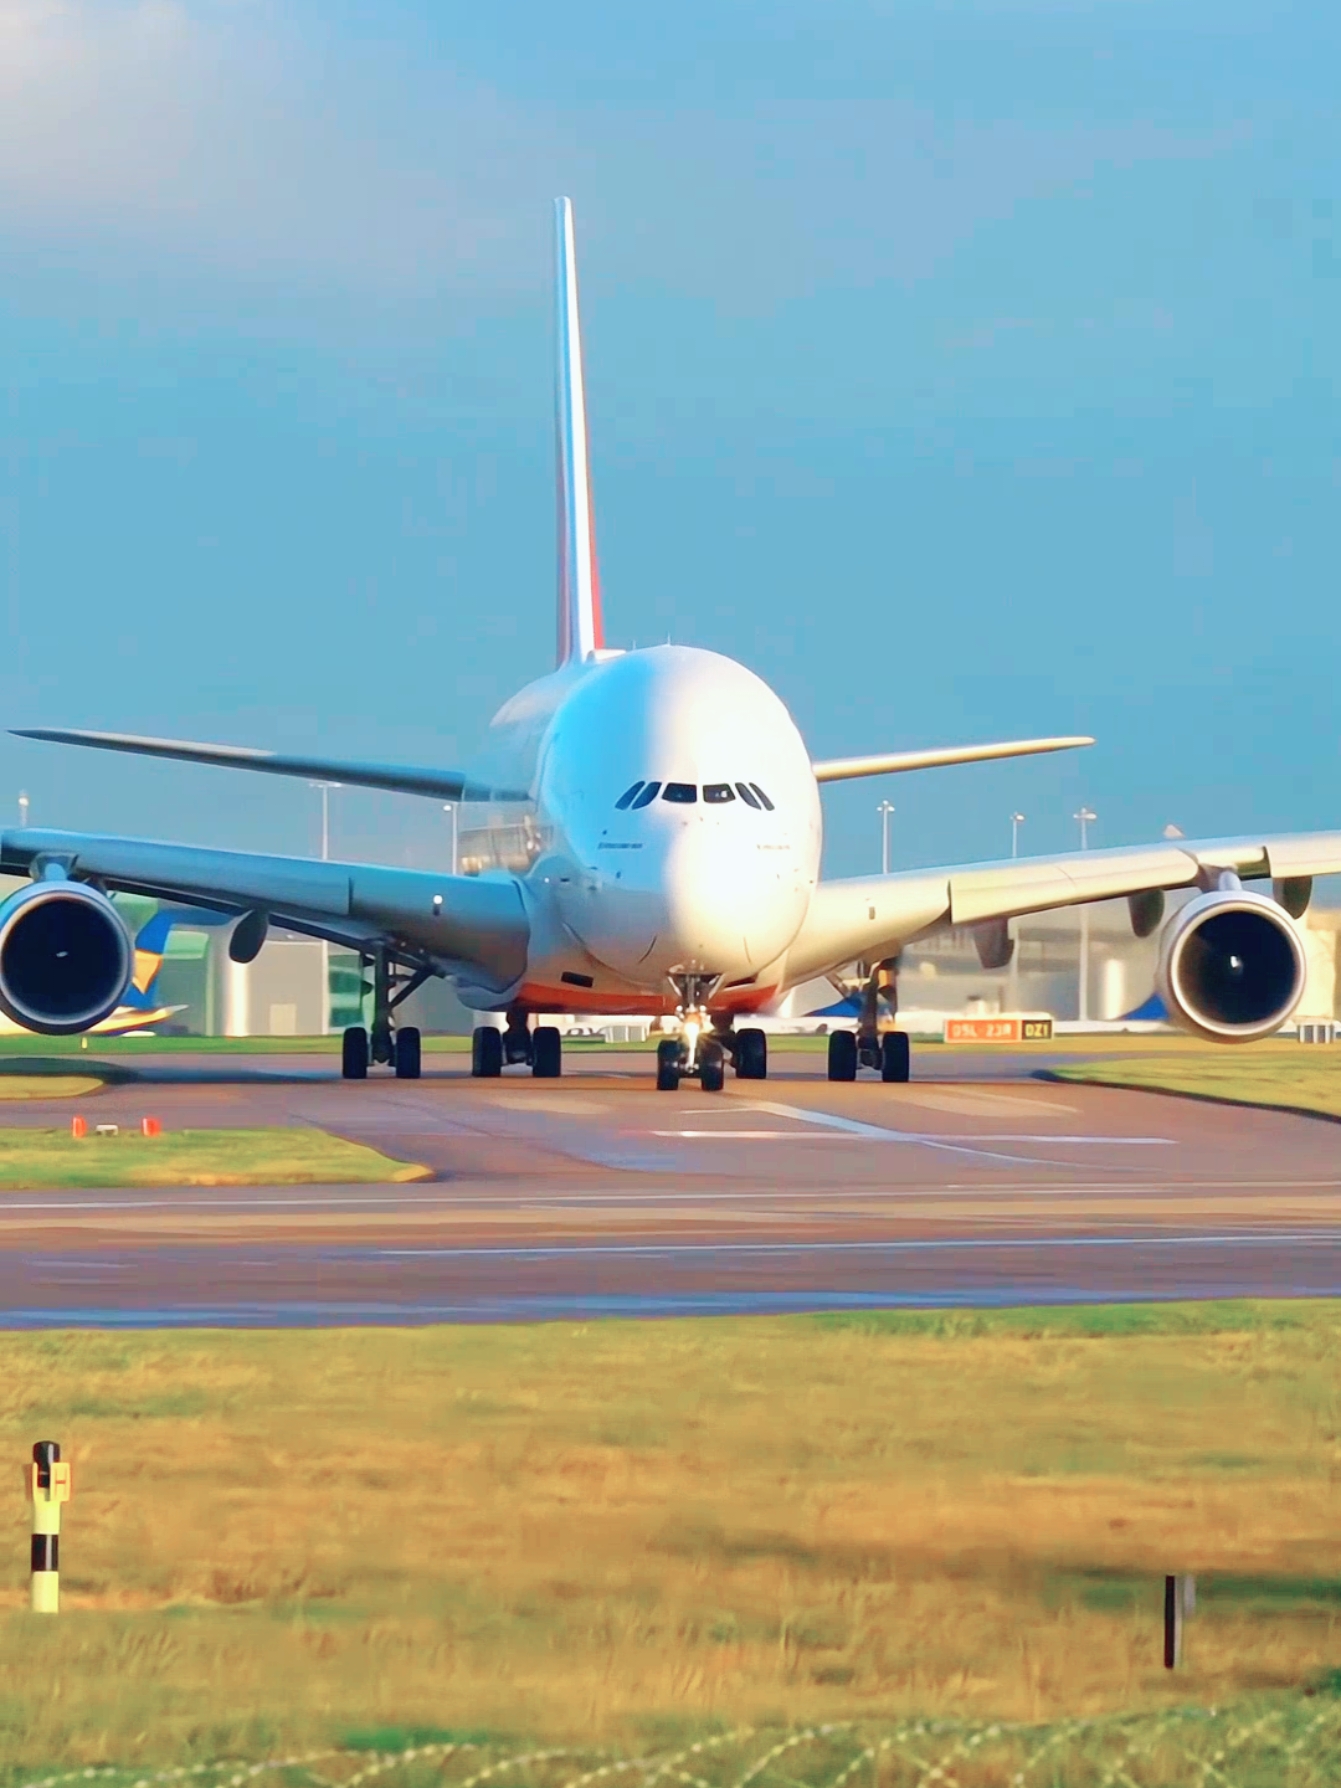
x=595, y=1195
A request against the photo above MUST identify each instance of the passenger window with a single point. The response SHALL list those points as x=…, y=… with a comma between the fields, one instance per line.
x=717, y=792
x=684, y=792
x=627, y=796
x=648, y=795
x=743, y=791
x=762, y=796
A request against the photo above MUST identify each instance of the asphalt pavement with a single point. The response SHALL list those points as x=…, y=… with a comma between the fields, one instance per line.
x=976, y=1184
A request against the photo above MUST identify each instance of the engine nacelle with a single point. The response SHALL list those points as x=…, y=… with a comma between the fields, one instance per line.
x=66, y=958
x=1231, y=966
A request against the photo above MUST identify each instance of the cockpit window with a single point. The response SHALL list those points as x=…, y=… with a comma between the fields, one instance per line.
x=717, y=792
x=750, y=799
x=649, y=794
x=684, y=792
x=762, y=796
x=625, y=799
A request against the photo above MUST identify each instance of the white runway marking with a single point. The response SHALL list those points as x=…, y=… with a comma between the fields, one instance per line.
x=936, y=1245
x=853, y=1127
x=914, y=1136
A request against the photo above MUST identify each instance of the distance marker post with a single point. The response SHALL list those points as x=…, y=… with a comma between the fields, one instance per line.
x=48, y=1482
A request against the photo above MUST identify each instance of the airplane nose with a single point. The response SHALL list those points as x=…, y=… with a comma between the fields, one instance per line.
x=700, y=904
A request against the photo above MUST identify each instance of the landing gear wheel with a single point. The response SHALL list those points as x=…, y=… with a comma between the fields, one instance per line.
x=668, y=1065
x=547, y=1052
x=842, y=1055
x=354, y=1053
x=895, y=1056
x=486, y=1052
x=407, y=1053
x=751, y=1055
x=712, y=1068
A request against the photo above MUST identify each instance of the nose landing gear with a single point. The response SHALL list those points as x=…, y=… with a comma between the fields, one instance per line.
x=696, y=1052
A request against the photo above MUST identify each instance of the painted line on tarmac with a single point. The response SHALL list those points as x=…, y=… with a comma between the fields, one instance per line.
x=930, y=1245
x=911, y=1136
x=854, y=1127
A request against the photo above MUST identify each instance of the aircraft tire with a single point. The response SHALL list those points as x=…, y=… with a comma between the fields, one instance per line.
x=408, y=1053
x=895, y=1056
x=547, y=1052
x=354, y=1053
x=668, y=1066
x=486, y=1052
x=751, y=1054
x=842, y=1055
x=712, y=1068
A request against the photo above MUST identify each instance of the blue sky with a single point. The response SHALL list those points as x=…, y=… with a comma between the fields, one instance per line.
x=968, y=370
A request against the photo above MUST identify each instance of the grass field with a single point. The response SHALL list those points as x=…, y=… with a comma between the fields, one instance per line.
x=620, y=1533
x=1302, y=1078
x=54, y=1159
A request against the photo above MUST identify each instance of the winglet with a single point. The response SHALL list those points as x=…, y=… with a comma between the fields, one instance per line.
x=580, y=627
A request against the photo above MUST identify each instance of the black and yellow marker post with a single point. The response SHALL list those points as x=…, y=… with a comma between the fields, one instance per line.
x=48, y=1487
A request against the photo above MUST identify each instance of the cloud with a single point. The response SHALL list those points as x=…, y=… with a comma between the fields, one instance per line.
x=217, y=135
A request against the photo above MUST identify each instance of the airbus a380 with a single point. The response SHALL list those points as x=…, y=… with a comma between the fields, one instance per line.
x=647, y=839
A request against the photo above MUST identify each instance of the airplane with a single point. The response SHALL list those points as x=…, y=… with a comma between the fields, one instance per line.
x=645, y=834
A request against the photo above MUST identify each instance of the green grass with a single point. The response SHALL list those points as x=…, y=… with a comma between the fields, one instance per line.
x=56, y=1160
x=635, y=1535
x=1293, y=1076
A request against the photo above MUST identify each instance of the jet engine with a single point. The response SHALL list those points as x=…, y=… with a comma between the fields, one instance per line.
x=66, y=958
x=1231, y=966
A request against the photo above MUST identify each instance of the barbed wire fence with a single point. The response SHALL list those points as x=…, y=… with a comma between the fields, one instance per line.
x=1294, y=1743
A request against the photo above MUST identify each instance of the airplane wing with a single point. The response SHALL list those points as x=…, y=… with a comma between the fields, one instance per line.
x=461, y=923
x=841, y=769
x=403, y=779
x=872, y=917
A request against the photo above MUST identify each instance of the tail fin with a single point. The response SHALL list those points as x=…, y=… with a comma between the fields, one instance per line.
x=581, y=631
x=150, y=942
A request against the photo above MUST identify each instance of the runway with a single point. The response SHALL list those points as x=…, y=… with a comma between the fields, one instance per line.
x=596, y=1195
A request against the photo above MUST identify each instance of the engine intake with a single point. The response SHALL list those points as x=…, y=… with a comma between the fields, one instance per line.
x=66, y=958
x=1231, y=967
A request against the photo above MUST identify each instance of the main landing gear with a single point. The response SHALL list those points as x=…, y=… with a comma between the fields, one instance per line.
x=541, y=1049
x=387, y=1043
x=887, y=1051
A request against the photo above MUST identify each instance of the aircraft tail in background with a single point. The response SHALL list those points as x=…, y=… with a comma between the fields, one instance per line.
x=581, y=632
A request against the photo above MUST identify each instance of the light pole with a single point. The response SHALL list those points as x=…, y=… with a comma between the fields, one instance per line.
x=23, y=807
x=325, y=788
x=1013, y=971
x=1085, y=816
x=884, y=810
x=450, y=807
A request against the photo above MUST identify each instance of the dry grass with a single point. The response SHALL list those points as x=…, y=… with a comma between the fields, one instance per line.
x=1297, y=1076
x=49, y=1086
x=581, y=1530
x=32, y=1159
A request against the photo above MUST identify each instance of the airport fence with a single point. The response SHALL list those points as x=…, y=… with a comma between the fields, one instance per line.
x=1279, y=1743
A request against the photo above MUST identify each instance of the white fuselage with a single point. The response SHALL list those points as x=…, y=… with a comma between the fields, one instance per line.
x=709, y=868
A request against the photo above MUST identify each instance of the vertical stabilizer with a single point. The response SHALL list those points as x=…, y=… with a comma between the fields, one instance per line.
x=580, y=628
